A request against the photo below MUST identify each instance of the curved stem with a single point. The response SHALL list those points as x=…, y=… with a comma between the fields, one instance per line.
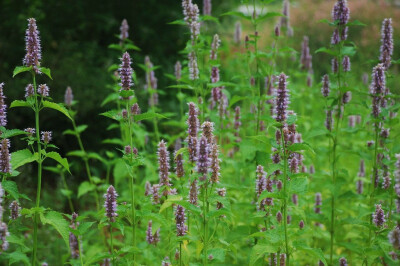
x=285, y=165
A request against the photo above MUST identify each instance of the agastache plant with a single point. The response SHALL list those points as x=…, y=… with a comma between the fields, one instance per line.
x=37, y=99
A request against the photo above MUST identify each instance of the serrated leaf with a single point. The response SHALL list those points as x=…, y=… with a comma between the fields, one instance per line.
x=113, y=114
x=19, y=103
x=258, y=251
x=57, y=107
x=76, y=153
x=236, y=13
x=21, y=157
x=147, y=116
x=12, y=189
x=180, y=151
x=84, y=188
x=45, y=71
x=131, y=46
x=56, y=220
x=57, y=157
x=300, y=147
x=21, y=69
x=325, y=50
x=81, y=128
x=8, y=133
x=17, y=256
x=115, y=47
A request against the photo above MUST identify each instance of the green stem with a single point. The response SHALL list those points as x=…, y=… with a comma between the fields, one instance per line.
x=71, y=206
x=39, y=181
x=285, y=165
x=86, y=162
x=112, y=246
x=180, y=253
x=205, y=223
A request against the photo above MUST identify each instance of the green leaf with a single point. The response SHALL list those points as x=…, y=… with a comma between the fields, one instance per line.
x=77, y=153
x=57, y=157
x=56, y=220
x=21, y=157
x=17, y=256
x=12, y=189
x=209, y=18
x=113, y=114
x=115, y=47
x=325, y=50
x=299, y=185
x=258, y=251
x=291, y=119
x=19, y=103
x=218, y=254
x=84, y=188
x=126, y=93
x=45, y=71
x=268, y=15
x=236, y=13
x=181, y=150
x=81, y=128
x=300, y=147
x=130, y=46
x=8, y=133
x=21, y=69
x=186, y=87
x=148, y=116
x=58, y=107
x=356, y=23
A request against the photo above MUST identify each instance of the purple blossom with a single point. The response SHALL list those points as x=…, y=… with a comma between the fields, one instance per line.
x=15, y=210
x=124, y=29
x=178, y=70
x=68, y=97
x=386, y=42
x=73, y=240
x=378, y=216
x=359, y=186
x=394, y=238
x=279, y=217
x=163, y=166
x=282, y=259
x=110, y=203
x=237, y=123
x=193, y=192
x=306, y=57
x=191, y=17
x=5, y=157
x=147, y=189
x=341, y=12
x=295, y=199
x=329, y=120
x=29, y=91
x=282, y=99
x=43, y=90
x=203, y=160
x=301, y=224
x=178, y=158
x=193, y=68
x=215, y=167
x=238, y=33
x=214, y=47
x=346, y=64
x=346, y=98
x=342, y=262
x=286, y=14
x=125, y=72
x=46, y=136
x=377, y=88
x=207, y=7
x=180, y=218
x=335, y=65
x=32, y=46
x=3, y=107
x=208, y=131
x=318, y=202
x=155, y=192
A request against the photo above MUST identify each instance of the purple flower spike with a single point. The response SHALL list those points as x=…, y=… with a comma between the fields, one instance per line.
x=193, y=68
x=394, y=238
x=346, y=64
x=178, y=70
x=318, y=202
x=214, y=47
x=180, y=218
x=194, y=192
x=306, y=58
x=46, y=136
x=386, y=42
x=15, y=210
x=282, y=99
x=124, y=30
x=163, y=166
x=207, y=7
x=43, y=90
x=325, y=87
x=68, y=97
x=73, y=240
x=5, y=157
x=238, y=32
x=378, y=216
x=110, y=203
x=215, y=161
x=32, y=46
x=203, y=160
x=342, y=262
x=29, y=91
x=125, y=72
x=341, y=12
x=3, y=107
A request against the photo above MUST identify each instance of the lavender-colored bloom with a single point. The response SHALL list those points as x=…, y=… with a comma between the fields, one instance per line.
x=279, y=217
x=286, y=14
x=194, y=192
x=346, y=64
x=318, y=202
x=73, y=240
x=15, y=210
x=238, y=32
x=377, y=88
x=3, y=236
x=282, y=99
x=192, y=148
x=282, y=259
x=191, y=17
x=335, y=39
x=341, y=12
x=30, y=131
x=147, y=189
x=306, y=58
x=43, y=90
x=110, y=203
x=386, y=182
x=295, y=199
x=180, y=219
x=279, y=185
x=215, y=161
x=335, y=65
x=222, y=193
x=5, y=157
x=378, y=216
x=178, y=158
x=193, y=68
x=203, y=160
x=237, y=124
x=352, y=121
x=3, y=107
x=385, y=133
x=207, y=7
x=294, y=165
x=178, y=70
x=342, y=262
x=68, y=97
x=135, y=109
x=150, y=238
x=128, y=149
x=29, y=91
x=124, y=29
x=346, y=97
x=155, y=192
x=125, y=72
x=214, y=47
x=124, y=114
x=301, y=224
x=365, y=78
x=359, y=186
x=208, y=129
x=46, y=136
x=361, y=172
x=386, y=42
x=329, y=120
x=32, y=46
x=163, y=166
x=394, y=238
x=193, y=120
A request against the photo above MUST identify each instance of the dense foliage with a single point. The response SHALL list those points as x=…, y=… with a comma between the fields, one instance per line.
x=260, y=155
